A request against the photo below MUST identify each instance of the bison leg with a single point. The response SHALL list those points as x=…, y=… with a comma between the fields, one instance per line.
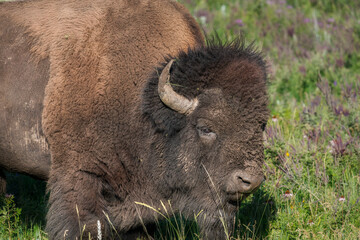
x=75, y=206
x=2, y=182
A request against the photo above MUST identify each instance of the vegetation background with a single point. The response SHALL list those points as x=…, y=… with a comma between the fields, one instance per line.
x=312, y=141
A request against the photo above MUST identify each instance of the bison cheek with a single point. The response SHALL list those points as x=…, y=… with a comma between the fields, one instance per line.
x=182, y=174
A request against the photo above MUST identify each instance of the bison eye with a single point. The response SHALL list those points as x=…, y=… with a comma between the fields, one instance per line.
x=205, y=132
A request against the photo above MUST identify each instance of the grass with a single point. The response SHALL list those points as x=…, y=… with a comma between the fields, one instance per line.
x=312, y=142
x=28, y=221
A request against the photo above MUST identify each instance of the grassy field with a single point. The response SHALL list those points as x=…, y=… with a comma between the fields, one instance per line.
x=312, y=141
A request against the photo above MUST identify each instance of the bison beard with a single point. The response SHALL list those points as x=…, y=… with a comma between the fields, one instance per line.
x=137, y=108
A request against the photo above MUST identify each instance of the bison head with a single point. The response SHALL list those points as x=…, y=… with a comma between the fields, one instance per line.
x=208, y=109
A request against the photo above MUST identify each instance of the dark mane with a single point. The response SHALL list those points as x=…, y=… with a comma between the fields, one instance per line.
x=237, y=47
x=203, y=68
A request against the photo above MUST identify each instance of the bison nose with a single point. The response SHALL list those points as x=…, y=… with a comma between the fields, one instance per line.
x=242, y=182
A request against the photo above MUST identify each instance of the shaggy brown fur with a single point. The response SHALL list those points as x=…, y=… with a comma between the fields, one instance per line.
x=111, y=139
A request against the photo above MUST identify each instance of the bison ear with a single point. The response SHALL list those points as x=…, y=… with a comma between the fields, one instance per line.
x=172, y=99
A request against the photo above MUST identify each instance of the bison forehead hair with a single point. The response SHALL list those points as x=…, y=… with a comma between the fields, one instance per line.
x=238, y=70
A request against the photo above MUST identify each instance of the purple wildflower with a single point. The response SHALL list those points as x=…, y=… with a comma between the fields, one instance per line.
x=348, y=92
x=204, y=15
x=330, y=20
x=273, y=134
x=339, y=63
x=338, y=147
x=315, y=102
x=8, y=195
x=307, y=20
x=239, y=22
x=339, y=109
x=302, y=70
x=313, y=135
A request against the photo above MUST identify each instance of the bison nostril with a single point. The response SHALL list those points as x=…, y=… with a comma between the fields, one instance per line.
x=244, y=181
x=241, y=181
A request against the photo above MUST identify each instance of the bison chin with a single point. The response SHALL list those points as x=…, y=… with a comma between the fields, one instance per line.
x=234, y=200
x=216, y=217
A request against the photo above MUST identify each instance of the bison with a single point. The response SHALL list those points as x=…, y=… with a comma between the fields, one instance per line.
x=121, y=102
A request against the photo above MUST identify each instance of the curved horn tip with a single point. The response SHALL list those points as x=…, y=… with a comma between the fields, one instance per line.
x=172, y=99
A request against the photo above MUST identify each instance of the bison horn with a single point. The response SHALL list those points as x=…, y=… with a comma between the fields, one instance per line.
x=172, y=99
